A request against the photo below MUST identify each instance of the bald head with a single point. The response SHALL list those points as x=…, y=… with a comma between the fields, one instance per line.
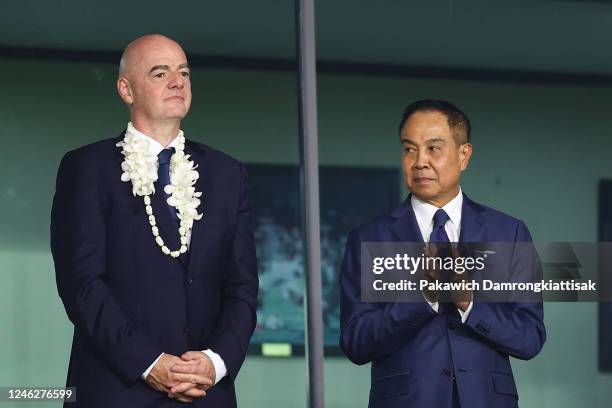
x=140, y=47
x=154, y=82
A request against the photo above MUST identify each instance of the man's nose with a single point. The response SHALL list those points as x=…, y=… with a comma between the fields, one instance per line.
x=176, y=81
x=422, y=161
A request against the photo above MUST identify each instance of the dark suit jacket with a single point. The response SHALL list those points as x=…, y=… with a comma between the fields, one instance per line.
x=414, y=351
x=128, y=301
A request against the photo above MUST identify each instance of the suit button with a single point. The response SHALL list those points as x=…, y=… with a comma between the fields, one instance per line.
x=185, y=329
x=446, y=372
x=189, y=281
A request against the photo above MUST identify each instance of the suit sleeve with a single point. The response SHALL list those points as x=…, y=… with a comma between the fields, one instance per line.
x=372, y=330
x=78, y=245
x=516, y=327
x=231, y=337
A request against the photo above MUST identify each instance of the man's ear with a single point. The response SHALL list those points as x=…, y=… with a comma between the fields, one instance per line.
x=465, y=152
x=125, y=90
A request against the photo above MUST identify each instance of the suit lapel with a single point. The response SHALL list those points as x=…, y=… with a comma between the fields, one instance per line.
x=405, y=227
x=203, y=185
x=118, y=156
x=472, y=231
x=472, y=222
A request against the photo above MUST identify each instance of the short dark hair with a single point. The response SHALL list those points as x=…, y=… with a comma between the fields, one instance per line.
x=458, y=122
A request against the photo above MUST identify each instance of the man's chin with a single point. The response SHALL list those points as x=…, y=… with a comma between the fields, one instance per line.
x=176, y=114
x=425, y=193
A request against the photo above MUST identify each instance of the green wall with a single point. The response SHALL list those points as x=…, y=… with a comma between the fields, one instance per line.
x=538, y=154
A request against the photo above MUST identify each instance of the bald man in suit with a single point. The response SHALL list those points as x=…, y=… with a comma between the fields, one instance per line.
x=154, y=252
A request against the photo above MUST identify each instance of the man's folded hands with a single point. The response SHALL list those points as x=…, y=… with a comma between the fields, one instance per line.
x=183, y=378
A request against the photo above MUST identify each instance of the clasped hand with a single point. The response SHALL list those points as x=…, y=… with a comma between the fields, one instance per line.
x=460, y=298
x=183, y=378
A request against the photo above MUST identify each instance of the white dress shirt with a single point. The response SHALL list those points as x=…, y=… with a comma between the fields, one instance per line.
x=220, y=369
x=424, y=213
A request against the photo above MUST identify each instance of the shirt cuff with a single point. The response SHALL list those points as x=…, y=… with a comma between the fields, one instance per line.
x=466, y=314
x=148, y=370
x=218, y=363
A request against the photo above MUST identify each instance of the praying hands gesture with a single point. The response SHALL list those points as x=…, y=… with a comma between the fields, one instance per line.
x=460, y=298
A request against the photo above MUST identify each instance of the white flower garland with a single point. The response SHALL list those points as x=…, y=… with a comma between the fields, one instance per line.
x=140, y=167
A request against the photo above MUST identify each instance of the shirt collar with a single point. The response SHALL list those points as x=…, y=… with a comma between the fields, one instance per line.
x=424, y=211
x=154, y=146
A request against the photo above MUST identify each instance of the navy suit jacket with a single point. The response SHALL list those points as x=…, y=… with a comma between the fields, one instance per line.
x=127, y=300
x=416, y=352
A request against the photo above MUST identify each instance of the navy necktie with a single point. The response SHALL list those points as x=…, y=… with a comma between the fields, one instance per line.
x=438, y=234
x=163, y=177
